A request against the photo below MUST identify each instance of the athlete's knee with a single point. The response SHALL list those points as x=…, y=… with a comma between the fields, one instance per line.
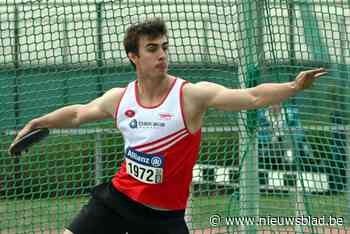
x=67, y=232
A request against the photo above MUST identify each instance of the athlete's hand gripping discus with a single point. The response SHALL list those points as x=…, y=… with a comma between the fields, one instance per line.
x=28, y=140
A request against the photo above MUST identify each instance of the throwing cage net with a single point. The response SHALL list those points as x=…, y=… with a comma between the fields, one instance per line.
x=279, y=169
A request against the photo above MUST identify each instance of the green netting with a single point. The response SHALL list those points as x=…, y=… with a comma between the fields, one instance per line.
x=287, y=161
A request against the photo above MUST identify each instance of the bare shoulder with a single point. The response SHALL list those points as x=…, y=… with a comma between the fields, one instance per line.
x=202, y=87
x=190, y=91
x=195, y=97
x=201, y=92
x=109, y=100
x=195, y=90
x=114, y=93
x=195, y=104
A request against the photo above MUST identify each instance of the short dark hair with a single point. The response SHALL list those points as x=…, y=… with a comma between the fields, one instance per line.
x=152, y=28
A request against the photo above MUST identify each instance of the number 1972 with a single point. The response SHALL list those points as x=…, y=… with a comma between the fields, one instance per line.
x=140, y=172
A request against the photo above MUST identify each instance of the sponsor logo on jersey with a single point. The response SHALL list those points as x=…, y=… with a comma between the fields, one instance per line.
x=145, y=159
x=156, y=161
x=145, y=124
x=133, y=123
x=129, y=113
x=165, y=116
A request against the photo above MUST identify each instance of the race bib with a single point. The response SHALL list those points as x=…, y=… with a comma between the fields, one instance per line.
x=144, y=167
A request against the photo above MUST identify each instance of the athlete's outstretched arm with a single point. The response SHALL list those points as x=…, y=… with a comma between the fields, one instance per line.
x=74, y=115
x=222, y=98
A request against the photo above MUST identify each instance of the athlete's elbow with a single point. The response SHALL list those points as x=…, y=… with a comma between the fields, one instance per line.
x=78, y=116
x=256, y=103
x=76, y=122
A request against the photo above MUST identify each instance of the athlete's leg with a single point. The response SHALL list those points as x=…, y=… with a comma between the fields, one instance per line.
x=176, y=227
x=67, y=232
x=179, y=228
x=96, y=218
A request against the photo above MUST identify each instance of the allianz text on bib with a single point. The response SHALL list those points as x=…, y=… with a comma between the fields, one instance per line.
x=146, y=168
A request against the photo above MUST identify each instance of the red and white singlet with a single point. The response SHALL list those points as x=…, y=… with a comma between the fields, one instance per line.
x=160, y=152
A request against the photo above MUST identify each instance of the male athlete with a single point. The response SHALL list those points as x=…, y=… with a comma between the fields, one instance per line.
x=160, y=117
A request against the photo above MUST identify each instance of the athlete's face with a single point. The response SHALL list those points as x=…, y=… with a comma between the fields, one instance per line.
x=152, y=59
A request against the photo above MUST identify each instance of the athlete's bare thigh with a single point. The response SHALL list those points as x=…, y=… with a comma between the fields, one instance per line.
x=67, y=232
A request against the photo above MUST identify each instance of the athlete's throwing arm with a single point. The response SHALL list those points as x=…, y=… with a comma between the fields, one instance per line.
x=199, y=97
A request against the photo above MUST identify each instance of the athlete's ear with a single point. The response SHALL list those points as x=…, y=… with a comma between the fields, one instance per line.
x=133, y=57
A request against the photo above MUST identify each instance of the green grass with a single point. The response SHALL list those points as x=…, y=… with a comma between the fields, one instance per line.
x=19, y=216
x=33, y=215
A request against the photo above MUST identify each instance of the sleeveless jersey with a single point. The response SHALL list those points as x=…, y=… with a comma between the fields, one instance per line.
x=160, y=152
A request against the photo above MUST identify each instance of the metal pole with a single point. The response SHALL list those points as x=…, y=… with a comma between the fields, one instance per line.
x=291, y=49
x=347, y=168
x=251, y=40
x=18, y=175
x=98, y=160
x=16, y=65
x=342, y=68
x=65, y=61
x=343, y=76
x=99, y=47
